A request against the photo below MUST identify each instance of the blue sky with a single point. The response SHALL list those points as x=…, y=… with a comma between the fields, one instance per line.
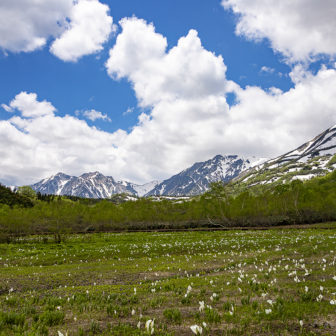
x=254, y=118
x=85, y=84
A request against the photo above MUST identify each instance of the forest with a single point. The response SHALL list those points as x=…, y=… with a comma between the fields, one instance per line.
x=24, y=212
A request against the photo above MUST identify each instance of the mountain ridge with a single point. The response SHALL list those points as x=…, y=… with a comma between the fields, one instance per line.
x=88, y=185
x=196, y=179
x=316, y=157
x=192, y=181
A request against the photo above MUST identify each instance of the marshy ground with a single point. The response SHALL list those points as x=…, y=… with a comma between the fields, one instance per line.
x=271, y=282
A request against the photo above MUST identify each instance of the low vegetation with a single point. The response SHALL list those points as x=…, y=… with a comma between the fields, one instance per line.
x=273, y=282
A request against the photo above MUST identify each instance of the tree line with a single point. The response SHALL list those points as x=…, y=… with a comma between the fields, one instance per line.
x=24, y=212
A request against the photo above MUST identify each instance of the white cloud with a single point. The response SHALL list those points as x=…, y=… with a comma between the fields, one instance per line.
x=27, y=25
x=128, y=111
x=6, y=108
x=29, y=107
x=186, y=71
x=80, y=27
x=95, y=115
x=89, y=28
x=189, y=119
x=267, y=70
x=299, y=29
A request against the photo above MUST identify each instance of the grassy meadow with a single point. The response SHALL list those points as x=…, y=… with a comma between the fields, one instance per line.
x=270, y=282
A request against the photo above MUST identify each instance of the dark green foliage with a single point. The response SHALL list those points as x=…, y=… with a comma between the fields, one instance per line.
x=11, y=198
x=11, y=319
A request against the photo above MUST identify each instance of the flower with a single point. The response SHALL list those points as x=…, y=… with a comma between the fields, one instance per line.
x=268, y=311
x=301, y=323
x=61, y=334
x=197, y=330
x=333, y=302
x=150, y=326
x=201, y=307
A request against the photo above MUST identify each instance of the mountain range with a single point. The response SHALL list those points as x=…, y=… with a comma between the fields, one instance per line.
x=90, y=185
x=314, y=158
x=192, y=181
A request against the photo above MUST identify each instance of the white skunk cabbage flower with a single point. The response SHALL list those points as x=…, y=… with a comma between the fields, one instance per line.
x=150, y=326
x=197, y=330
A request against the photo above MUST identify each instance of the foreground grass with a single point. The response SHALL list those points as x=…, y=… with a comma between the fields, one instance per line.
x=228, y=283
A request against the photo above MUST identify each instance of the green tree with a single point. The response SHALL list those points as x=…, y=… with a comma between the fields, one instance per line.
x=27, y=191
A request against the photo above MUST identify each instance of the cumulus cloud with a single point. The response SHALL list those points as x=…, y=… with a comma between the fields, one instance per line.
x=299, y=29
x=185, y=71
x=94, y=115
x=89, y=28
x=29, y=107
x=26, y=25
x=184, y=89
x=80, y=27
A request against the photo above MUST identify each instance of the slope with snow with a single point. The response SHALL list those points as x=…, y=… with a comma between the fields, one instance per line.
x=314, y=158
x=196, y=179
x=141, y=189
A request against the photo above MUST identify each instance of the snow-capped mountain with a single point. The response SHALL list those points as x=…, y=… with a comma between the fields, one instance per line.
x=196, y=179
x=53, y=185
x=89, y=185
x=314, y=158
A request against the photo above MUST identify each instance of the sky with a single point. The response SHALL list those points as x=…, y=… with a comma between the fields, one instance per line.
x=140, y=90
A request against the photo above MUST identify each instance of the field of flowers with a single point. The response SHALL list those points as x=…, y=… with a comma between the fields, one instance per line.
x=272, y=282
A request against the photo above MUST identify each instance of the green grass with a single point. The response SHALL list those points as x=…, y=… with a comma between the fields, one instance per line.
x=251, y=283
